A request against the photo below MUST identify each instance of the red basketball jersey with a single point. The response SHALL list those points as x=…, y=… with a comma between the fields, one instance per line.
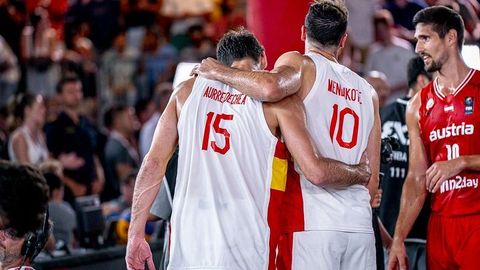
x=450, y=127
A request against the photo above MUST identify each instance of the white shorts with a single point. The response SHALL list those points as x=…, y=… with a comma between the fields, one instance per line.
x=329, y=250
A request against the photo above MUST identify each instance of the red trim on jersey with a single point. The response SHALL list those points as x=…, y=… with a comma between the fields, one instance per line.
x=274, y=212
x=293, y=212
x=285, y=252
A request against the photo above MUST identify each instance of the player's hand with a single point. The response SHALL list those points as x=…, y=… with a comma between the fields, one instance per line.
x=397, y=258
x=364, y=169
x=377, y=199
x=138, y=254
x=441, y=171
x=208, y=68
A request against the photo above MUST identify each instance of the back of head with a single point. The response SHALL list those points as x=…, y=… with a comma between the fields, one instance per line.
x=416, y=67
x=442, y=19
x=23, y=197
x=236, y=45
x=326, y=22
x=54, y=182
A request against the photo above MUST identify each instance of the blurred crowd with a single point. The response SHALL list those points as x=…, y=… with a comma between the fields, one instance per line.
x=84, y=82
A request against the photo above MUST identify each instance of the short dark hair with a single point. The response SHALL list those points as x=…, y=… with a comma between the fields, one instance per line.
x=238, y=44
x=69, y=78
x=442, y=19
x=416, y=67
x=112, y=113
x=326, y=22
x=23, y=197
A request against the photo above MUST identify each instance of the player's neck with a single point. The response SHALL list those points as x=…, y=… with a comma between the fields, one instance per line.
x=452, y=74
x=329, y=54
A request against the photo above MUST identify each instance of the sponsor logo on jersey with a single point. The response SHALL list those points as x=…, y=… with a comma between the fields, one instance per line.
x=452, y=131
x=468, y=105
x=222, y=97
x=350, y=94
x=458, y=182
x=430, y=104
x=448, y=108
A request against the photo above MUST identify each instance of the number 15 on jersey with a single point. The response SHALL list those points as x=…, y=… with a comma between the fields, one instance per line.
x=216, y=127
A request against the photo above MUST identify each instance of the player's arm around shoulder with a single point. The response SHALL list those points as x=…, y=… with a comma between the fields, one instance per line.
x=291, y=118
x=150, y=176
x=269, y=86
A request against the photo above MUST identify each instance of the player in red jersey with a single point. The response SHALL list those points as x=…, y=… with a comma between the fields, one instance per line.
x=445, y=161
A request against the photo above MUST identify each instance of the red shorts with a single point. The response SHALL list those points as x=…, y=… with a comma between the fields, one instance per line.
x=453, y=242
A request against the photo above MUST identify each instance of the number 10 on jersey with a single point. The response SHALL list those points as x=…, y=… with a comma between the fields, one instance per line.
x=216, y=127
x=337, y=125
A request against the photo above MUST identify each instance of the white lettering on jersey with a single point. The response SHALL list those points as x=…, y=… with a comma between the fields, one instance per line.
x=458, y=183
x=452, y=131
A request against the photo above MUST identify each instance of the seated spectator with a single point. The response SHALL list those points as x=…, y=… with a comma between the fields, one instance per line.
x=27, y=143
x=112, y=209
x=61, y=213
x=121, y=153
x=24, y=225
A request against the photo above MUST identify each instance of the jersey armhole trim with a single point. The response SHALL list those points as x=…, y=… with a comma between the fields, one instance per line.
x=187, y=101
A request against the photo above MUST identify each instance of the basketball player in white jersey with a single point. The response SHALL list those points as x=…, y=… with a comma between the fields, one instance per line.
x=226, y=169
x=329, y=228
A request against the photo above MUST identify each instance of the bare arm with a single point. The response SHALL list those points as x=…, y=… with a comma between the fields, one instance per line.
x=153, y=169
x=20, y=148
x=148, y=181
x=414, y=191
x=320, y=171
x=373, y=148
x=282, y=81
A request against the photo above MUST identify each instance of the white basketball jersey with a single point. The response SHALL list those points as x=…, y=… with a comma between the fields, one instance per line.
x=340, y=116
x=219, y=218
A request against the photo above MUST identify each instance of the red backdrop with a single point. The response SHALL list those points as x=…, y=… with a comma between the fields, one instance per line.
x=277, y=24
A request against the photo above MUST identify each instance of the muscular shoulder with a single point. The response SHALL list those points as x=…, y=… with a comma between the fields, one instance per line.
x=182, y=92
x=293, y=58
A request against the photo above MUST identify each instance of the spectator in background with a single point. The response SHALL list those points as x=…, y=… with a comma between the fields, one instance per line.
x=4, y=115
x=158, y=61
x=27, y=143
x=378, y=81
x=79, y=57
x=120, y=65
x=61, y=213
x=360, y=32
x=9, y=72
x=113, y=208
x=200, y=46
x=161, y=97
x=72, y=137
x=41, y=50
x=144, y=109
x=402, y=12
x=394, y=125
x=121, y=152
x=23, y=205
x=389, y=54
